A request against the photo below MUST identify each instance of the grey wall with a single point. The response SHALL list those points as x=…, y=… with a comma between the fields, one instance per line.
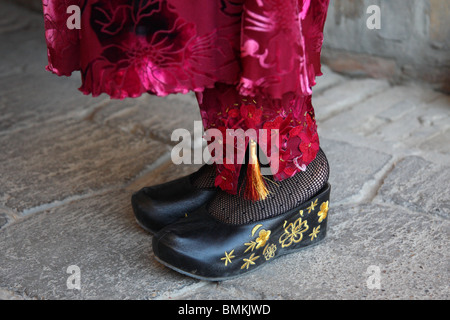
x=412, y=44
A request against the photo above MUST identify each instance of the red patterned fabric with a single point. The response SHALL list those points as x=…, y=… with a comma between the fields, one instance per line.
x=224, y=108
x=227, y=51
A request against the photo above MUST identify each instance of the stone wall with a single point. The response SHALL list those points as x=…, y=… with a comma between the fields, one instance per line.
x=413, y=42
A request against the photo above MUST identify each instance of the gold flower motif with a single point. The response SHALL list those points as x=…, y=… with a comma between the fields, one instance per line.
x=293, y=233
x=323, y=211
x=264, y=236
x=269, y=251
x=249, y=261
x=314, y=233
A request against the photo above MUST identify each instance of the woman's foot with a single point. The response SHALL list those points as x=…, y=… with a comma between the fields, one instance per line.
x=231, y=236
x=158, y=206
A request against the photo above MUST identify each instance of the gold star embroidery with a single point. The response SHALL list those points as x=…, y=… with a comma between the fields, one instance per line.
x=315, y=232
x=249, y=261
x=312, y=206
x=251, y=246
x=228, y=257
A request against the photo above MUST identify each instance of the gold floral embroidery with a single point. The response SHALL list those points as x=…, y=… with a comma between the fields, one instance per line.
x=264, y=236
x=314, y=233
x=228, y=257
x=249, y=261
x=301, y=214
x=269, y=251
x=293, y=233
x=255, y=228
x=323, y=211
x=312, y=206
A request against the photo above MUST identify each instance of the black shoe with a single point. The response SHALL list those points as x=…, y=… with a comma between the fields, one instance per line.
x=205, y=248
x=158, y=206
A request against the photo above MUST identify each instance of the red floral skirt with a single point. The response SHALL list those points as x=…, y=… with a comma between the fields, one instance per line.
x=252, y=63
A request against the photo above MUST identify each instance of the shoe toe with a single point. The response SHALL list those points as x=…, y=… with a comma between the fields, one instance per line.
x=142, y=205
x=155, y=207
x=171, y=249
x=187, y=247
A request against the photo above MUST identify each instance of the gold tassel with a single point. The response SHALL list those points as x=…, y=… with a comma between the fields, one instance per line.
x=255, y=185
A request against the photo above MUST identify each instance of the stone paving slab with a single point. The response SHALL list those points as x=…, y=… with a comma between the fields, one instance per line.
x=435, y=120
x=55, y=160
x=440, y=142
x=414, y=128
x=99, y=235
x=344, y=95
x=30, y=94
x=27, y=100
x=5, y=219
x=165, y=172
x=151, y=116
x=419, y=185
x=7, y=216
x=27, y=46
x=403, y=120
x=352, y=169
x=327, y=80
x=370, y=117
x=22, y=36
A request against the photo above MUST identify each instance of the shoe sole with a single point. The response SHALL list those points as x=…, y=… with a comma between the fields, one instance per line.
x=151, y=232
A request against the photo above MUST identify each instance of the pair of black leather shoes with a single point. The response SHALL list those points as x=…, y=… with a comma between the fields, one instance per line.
x=189, y=240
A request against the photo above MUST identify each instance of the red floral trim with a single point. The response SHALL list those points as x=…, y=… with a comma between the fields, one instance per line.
x=298, y=138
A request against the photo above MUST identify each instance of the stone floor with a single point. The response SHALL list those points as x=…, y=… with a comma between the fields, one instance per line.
x=69, y=163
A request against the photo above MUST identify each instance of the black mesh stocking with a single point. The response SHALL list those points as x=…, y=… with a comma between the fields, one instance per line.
x=204, y=177
x=284, y=195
